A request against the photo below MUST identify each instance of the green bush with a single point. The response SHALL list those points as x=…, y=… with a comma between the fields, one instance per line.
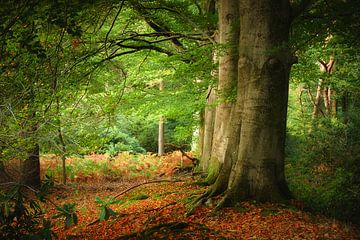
x=119, y=142
x=323, y=168
x=21, y=215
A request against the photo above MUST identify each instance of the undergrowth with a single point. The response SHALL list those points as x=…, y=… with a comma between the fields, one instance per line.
x=323, y=168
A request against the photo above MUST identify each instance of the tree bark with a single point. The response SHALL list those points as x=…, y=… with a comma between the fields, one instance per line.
x=254, y=151
x=317, y=104
x=62, y=142
x=30, y=170
x=329, y=105
x=4, y=177
x=228, y=37
x=209, y=115
x=326, y=98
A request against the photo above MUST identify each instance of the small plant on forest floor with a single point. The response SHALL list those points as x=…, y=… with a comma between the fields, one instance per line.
x=21, y=216
x=68, y=212
x=105, y=211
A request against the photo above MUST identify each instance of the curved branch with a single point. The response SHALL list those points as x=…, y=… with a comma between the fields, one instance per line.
x=144, y=183
x=143, y=47
x=112, y=24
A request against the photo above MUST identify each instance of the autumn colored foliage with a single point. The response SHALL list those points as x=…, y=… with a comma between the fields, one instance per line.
x=154, y=207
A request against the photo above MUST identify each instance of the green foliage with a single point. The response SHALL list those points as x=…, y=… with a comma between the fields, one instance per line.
x=105, y=211
x=119, y=142
x=21, y=216
x=322, y=168
x=68, y=213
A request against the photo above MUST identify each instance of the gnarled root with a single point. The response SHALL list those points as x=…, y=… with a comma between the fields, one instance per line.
x=211, y=193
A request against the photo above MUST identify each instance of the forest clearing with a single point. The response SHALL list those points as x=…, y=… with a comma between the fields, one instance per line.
x=155, y=197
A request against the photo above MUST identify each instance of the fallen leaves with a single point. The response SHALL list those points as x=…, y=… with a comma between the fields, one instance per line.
x=162, y=216
x=155, y=209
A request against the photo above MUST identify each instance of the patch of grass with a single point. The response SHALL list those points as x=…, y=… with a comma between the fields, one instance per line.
x=140, y=197
x=189, y=200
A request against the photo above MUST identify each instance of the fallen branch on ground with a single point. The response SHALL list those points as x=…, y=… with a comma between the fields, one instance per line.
x=144, y=183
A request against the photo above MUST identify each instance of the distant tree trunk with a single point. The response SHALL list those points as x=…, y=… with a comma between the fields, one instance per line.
x=327, y=94
x=317, y=104
x=62, y=142
x=161, y=127
x=30, y=169
x=200, y=146
x=326, y=98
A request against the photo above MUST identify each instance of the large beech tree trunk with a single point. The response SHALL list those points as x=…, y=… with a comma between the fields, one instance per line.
x=209, y=115
x=255, y=137
x=228, y=58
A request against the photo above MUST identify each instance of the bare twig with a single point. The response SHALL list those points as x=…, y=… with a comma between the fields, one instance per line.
x=112, y=25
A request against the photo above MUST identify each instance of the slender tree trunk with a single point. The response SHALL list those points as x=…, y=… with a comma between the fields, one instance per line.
x=317, y=105
x=161, y=128
x=201, y=132
x=326, y=94
x=332, y=97
x=326, y=100
x=254, y=153
x=62, y=142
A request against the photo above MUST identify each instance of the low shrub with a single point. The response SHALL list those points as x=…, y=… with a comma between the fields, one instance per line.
x=323, y=168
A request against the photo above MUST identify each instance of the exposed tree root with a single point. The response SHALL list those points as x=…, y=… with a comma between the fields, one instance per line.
x=211, y=193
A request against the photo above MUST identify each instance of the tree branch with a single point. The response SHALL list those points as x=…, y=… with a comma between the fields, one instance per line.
x=143, y=47
x=144, y=183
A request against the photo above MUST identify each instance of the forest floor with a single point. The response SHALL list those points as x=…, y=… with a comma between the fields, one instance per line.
x=155, y=206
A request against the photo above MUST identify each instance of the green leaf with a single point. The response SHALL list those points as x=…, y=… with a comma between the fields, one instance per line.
x=75, y=218
x=103, y=214
x=111, y=212
x=98, y=200
x=7, y=210
x=68, y=221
